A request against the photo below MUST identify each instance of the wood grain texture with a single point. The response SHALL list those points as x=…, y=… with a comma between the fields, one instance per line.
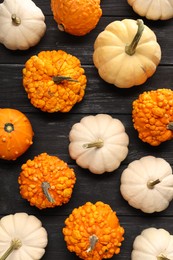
x=52, y=130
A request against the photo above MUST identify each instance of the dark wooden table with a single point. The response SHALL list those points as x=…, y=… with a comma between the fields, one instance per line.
x=51, y=130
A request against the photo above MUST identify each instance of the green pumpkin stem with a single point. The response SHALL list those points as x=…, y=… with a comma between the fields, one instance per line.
x=45, y=187
x=130, y=49
x=59, y=79
x=9, y=127
x=151, y=184
x=92, y=240
x=15, y=244
x=97, y=144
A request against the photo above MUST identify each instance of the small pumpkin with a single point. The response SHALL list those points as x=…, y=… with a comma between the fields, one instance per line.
x=153, y=117
x=24, y=22
x=153, y=243
x=153, y=10
x=147, y=184
x=16, y=133
x=126, y=53
x=22, y=236
x=93, y=231
x=54, y=81
x=98, y=143
x=76, y=17
x=46, y=181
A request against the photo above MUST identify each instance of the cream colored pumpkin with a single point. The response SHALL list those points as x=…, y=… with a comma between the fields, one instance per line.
x=126, y=53
x=153, y=243
x=147, y=184
x=22, y=24
x=152, y=9
x=23, y=235
x=98, y=143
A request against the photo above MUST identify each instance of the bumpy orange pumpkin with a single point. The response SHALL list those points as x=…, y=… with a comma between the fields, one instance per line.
x=93, y=231
x=153, y=116
x=76, y=17
x=16, y=133
x=54, y=81
x=46, y=181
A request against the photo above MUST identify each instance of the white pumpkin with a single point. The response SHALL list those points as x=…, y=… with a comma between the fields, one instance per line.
x=22, y=237
x=147, y=184
x=22, y=24
x=153, y=243
x=98, y=143
x=152, y=9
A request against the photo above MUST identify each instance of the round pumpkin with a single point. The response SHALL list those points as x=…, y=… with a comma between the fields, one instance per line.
x=24, y=22
x=16, y=133
x=46, y=181
x=76, y=17
x=147, y=184
x=93, y=231
x=98, y=143
x=126, y=53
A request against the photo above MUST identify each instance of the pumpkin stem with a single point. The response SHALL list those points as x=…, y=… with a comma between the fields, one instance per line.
x=15, y=244
x=97, y=144
x=45, y=187
x=162, y=257
x=93, y=240
x=130, y=49
x=59, y=79
x=151, y=184
x=16, y=20
x=9, y=127
x=170, y=126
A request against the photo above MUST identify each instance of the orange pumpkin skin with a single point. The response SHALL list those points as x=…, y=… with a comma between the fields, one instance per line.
x=16, y=133
x=93, y=231
x=76, y=17
x=152, y=116
x=46, y=181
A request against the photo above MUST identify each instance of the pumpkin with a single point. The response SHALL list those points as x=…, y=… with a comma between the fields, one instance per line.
x=16, y=133
x=93, y=231
x=98, y=143
x=153, y=10
x=126, y=53
x=54, y=81
x=147, y=184
x=76, y=17
x=46, y=181
x=22, y=236
x=153, y=243
x=152, y=116
x=24, y=22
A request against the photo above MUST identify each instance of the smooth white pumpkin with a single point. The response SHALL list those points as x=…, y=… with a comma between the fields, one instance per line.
x=24, y=234
x=98, y=143
x=126, y=53
x=147, y=184
x=152, y=9
x=153, y=243
x=22, y=24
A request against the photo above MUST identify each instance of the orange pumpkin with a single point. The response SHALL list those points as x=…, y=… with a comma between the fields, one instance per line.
x=76, y=17
x=46, y=181
x=93, y=231
x=16, y=133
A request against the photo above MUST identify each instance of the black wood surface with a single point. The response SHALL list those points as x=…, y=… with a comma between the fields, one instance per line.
x=51, y=130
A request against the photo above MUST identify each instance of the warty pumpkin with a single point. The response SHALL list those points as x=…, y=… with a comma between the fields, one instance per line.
x=22, y=24
x=98, y=143
x=54, y=81
x=76, y=17
x=152, y=115
x=147, y=184
x=93, y=231
x=46, y=181
x=126, y=53
x=153, y=243
x=22, y=236
x=16, y=133
x=152, y=9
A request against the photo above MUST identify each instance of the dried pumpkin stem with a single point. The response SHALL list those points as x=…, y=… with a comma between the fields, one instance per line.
x=97, y=144
x=16, y=20
x=162, y=257
x=8, y=127
x=59, y=79
x=151, y=184
x=93, y=240
x=130, y=49
x=170, y=126
x=15, y=244
x=45, y=187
